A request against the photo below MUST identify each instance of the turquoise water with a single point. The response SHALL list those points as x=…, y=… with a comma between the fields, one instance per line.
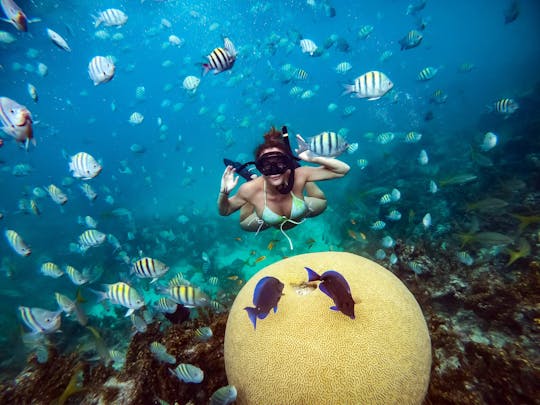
x=170, y=188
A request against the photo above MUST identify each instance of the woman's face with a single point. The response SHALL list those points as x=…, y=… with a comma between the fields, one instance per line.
x=275, y=179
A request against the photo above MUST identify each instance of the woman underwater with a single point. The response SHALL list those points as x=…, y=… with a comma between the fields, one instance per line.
x=277, y=197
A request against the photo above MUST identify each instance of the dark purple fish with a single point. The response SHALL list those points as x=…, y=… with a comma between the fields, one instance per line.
x=336, y=287
x=266, y=296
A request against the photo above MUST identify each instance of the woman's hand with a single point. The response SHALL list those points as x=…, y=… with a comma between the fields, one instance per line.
x=306, y=155
x=228, y=180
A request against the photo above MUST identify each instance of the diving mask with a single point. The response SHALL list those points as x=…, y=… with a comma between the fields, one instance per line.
x=272, y=163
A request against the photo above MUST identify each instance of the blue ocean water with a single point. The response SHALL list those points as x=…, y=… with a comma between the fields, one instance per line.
x=186, y=136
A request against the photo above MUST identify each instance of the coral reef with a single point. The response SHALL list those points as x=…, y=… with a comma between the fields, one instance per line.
x=307, y=353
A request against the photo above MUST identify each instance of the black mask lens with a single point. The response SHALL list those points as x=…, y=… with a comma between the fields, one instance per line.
x=273, y=163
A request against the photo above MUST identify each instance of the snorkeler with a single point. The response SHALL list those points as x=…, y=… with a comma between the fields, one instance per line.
x=277, y=197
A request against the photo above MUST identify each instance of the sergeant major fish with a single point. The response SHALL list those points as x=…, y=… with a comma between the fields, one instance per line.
x=16, y=121
x=221, y=59
x=17, y=243
x=149, y=268
x=266, y=296
x=336, y=287
x=411, y=40
x=111, y=17
x=57, y=195
x=91, y=238
x=84, y=166
x=122, y=294
x=40, y=320
x=327, y=144
x=188, y=373
x=371, y=85
x=187, y=295
x=101, y=69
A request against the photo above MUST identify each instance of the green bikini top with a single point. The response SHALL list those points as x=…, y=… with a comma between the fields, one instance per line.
x=298, y=209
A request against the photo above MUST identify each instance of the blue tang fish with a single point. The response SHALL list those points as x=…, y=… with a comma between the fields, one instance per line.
x=266, y=296
x=336, y=287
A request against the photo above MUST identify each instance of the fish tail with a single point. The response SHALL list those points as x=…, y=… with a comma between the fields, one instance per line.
x=206, y=68
x=252, y=314
x=101, y=294
x=349, y=88
x=312, y=276
x=302, y=146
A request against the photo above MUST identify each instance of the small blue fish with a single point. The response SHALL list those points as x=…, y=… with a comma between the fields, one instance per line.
x=336, y=287
x=188, y=373
x=266, y=296
x=224, y=395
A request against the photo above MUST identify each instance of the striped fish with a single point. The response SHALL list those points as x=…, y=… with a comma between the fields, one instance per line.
x=84, y=166
x=187, y=295
x=371, y=85
x=327, y=144
x=203, y=333
x=75, y=276
x=65, y=304
x=88, y=191
x=188, y=373
x=411, y=40
x=111, y=17
x=91, y=238
x=122, y=294
x=343, y=67
x=101, y=69
x=16, y=121
x=32, y=92
x=224, y=395
x=40, y=320
x=427, y=73
x=149, y=268
x=51, y=269
x=221, y=59
x=505, y=106
x=166, y=305
x=308, y=46
x=159, y=351
x=16, y=243
x=56, y=194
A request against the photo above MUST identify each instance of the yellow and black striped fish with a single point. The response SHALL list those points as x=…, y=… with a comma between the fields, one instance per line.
x=51, y=269
x=40, y=320
x=371, y=85
x=91, y=238
x=149, y=268
x=187, y=295
x=122, y=294
x=17, y=243
x=221, y=59
x=427, y=73
x=506, y=106
x=411, y=40
x=57, y=195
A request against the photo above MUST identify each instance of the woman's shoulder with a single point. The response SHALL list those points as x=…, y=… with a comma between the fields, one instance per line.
x=251, y=187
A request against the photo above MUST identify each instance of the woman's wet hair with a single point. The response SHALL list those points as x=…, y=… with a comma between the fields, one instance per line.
x=272, y=139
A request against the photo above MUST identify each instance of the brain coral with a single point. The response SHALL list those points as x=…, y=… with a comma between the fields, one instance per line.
x=308, y=354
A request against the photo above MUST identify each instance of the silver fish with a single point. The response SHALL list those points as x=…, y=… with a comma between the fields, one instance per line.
x=371, y=85
x=17, y=243
x=16, y=121
x=101, y=69
x=58, y=40
x=84, y=166
x=40, y=320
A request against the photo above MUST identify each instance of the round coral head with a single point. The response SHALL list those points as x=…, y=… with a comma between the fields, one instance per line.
x=307, y=353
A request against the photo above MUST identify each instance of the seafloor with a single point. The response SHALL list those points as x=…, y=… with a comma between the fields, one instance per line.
x=484, y=325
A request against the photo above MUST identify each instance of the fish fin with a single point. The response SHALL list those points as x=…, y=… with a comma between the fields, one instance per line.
x=322, y=287
x=252, y=314
x=129, y=312
x=349, y=88
x=275, y=309
x=302, y=145
x=206, y=68
x=312, y=276
x=334, y=308
x=101, y=294
x=373, y=98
